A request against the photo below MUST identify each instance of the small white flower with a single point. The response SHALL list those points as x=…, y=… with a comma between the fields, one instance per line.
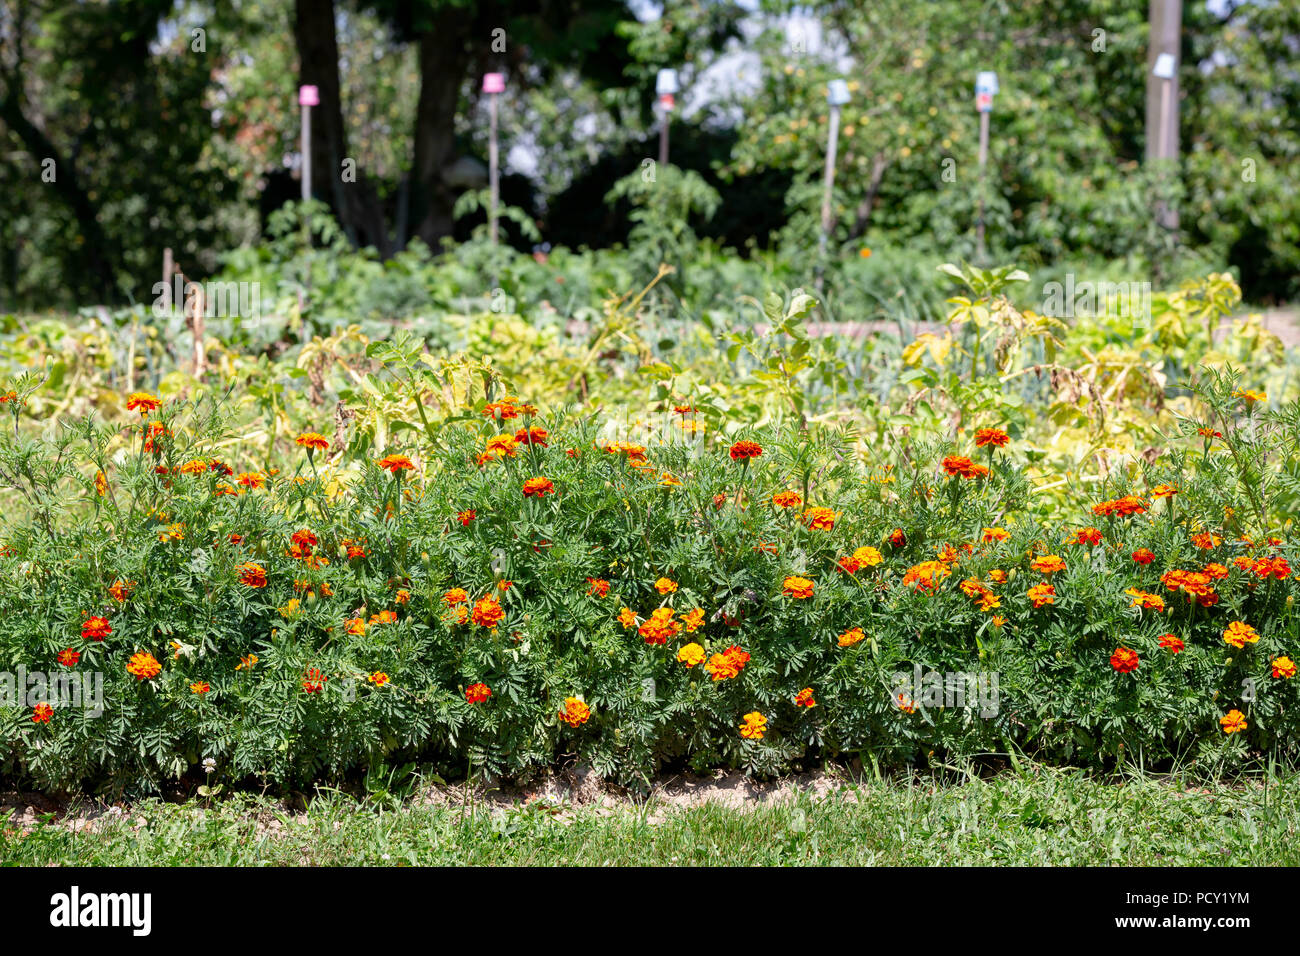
x=209, y=765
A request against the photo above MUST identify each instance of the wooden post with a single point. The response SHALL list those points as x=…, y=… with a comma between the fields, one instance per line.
x=983, y=183
x=828, y=177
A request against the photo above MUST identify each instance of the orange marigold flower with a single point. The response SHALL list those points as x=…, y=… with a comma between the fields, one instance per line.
x=904, y=703
x=627, y=617
x=1124, y=660
x=745, y=450
x=532, y=436
x=304, y=539
x=96, y=629
x=355, y=626
x=1233, y=722
x=1206, y=540
x=927, y=575
x=1048, y=564
x=1275, y=566
x=991, y=436
x=805, y=698
x=503, y=409
x=1143, y=556
x=1239, y=634
x=313, y=681
x=1146, y=600
x=142, y=402
x=665, y=586
x=1172, y=643
x=200, y=687
x=68, y=657
x=820, y=519
x=754, y=726
x=1167, y=491
x=598, y=587
x=313, y=441
x=867, y=556
x=787, y=499
x=143, y=666
x=487, y=612
x=691, y=654
x=101, y=484
x=990, y=535
x=728, y=664
x=246, y=663
x=958, y=465
x=575, y=712
x=252, y=575
x=659, y=627
x=395, y=463
x=538, y=487
x=502, y=446
x=1284, y=667
x=477, y=693
x=797, y=587
x=1041, y=594
x=998, y=576
x=1090, y=536
x=42, y=713
x=851, y=637
x=694, y=620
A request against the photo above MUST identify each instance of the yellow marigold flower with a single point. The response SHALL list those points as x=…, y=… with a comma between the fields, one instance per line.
x=378, y=678
x=1048, y=564
x=1233, y=722
x=797, y=588
x=143, y=402
x=1239, y=634
x=787, y=499
x=290, y=609
x=101, y=484
x=851, y=637
x=355, y=625
x=200, y=687
x=754, y=726
x=867, y=557
x=805, y=698
x=143, y=665
x=691, y=654
x=627, y=617
x=820, y=519
x=1284, y=667
x=693, y=620
x=665, y=586
x=990, y=535
x=503, y=446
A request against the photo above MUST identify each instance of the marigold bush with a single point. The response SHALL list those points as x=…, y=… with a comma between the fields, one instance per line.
x=632, y=601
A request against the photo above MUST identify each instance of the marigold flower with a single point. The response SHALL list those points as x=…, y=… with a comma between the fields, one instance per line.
x=395, y=463
x=1250, y=395
x=313, y=441
x=487, y=612
x=787, y=499
x=665, y=586
x=200, y=687
x=995, y=437
x=998, y=576
x=378, y=678
x=1275, y=566
x=1172, y=643
x=991, y=535
x=68, y=657
x=659, y=627
x=728, y=664
x=1233, y=722
x=252, y=574
x=745, y=450
x=466, y=516
x=251, y=479
x=101, y=484
x=1239, y=634
x=1284, y=667
x=851, y=637
x=897, y=538
x=820, y=519
x=143, y=665
x=693, y=620
x=538, y=487
x=797, y=588
x=1089, y=536
x=502, y=446
x=355, y=626
x=597, y=587
x=503, y=409
x=575, y=712
x=1167, y=491
x=691, y=654
x=1145, y=600
x=1048, y=564
x=905, y=703
x=1206, y=540
x=246, y=663
x=313, y=681
x=1128, y=505
x=143, y=402
x=477, y=693
x=290, y=609
x=96, y=629
x=867, y=556
x=1143, y=556
x=42, y=713
x=927, y=575
x=1124, y=660
x=805, y=698
x=754, y=726
x=627, y=617
x=1042, y=594
x=956, y=465
x=532, y=436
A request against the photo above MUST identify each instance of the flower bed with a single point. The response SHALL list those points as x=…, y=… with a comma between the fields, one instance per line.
x=513, y=590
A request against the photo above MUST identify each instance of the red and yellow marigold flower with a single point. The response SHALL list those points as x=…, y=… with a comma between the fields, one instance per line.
x=395, y=464
x=1123, y=507
x=68, y=657
x=745, y=450
x=787, y=499
x=200, y=687
x=665, y=586
x=532, y=436
x=691, y=654
x=355, y=626
x=956, y=465
x=1048, y=564
x=820, y=519
x=992, y=535
x=477, y=693
x=142, y=402
x=1088, y=536
x=1239, y=634
x=1041, y=595
x=659, y=627
x=1233, y=722
x=627, y=617
x=897, y=538
x=96, y=629
x=313, y=680
x=1167, y=491
x=754, y=726
x=538, y=487
x=487, y=612
x=1206, y=540
x=42, y=713
x=851, y=637
x=252, y=575
x=1143, y=556
x=797, y=587
x=805, y=698
x=993, y=437
x=597, y=587
x=693, y=620
x=1172, y=643
x=1145, y=600
x=728, y=664
x=466, y=516
x=1124, y=660
x=927, y=575
x=313, y=441
x=378, y=678
x=575, y=712
x=143, y=666
x=1284, y=667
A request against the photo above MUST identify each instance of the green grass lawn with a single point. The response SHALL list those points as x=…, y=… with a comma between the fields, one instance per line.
x=1041, y=816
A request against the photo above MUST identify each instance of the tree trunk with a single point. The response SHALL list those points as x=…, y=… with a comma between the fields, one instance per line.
x=862, y=215
x=444, y=61
x=355, y=204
